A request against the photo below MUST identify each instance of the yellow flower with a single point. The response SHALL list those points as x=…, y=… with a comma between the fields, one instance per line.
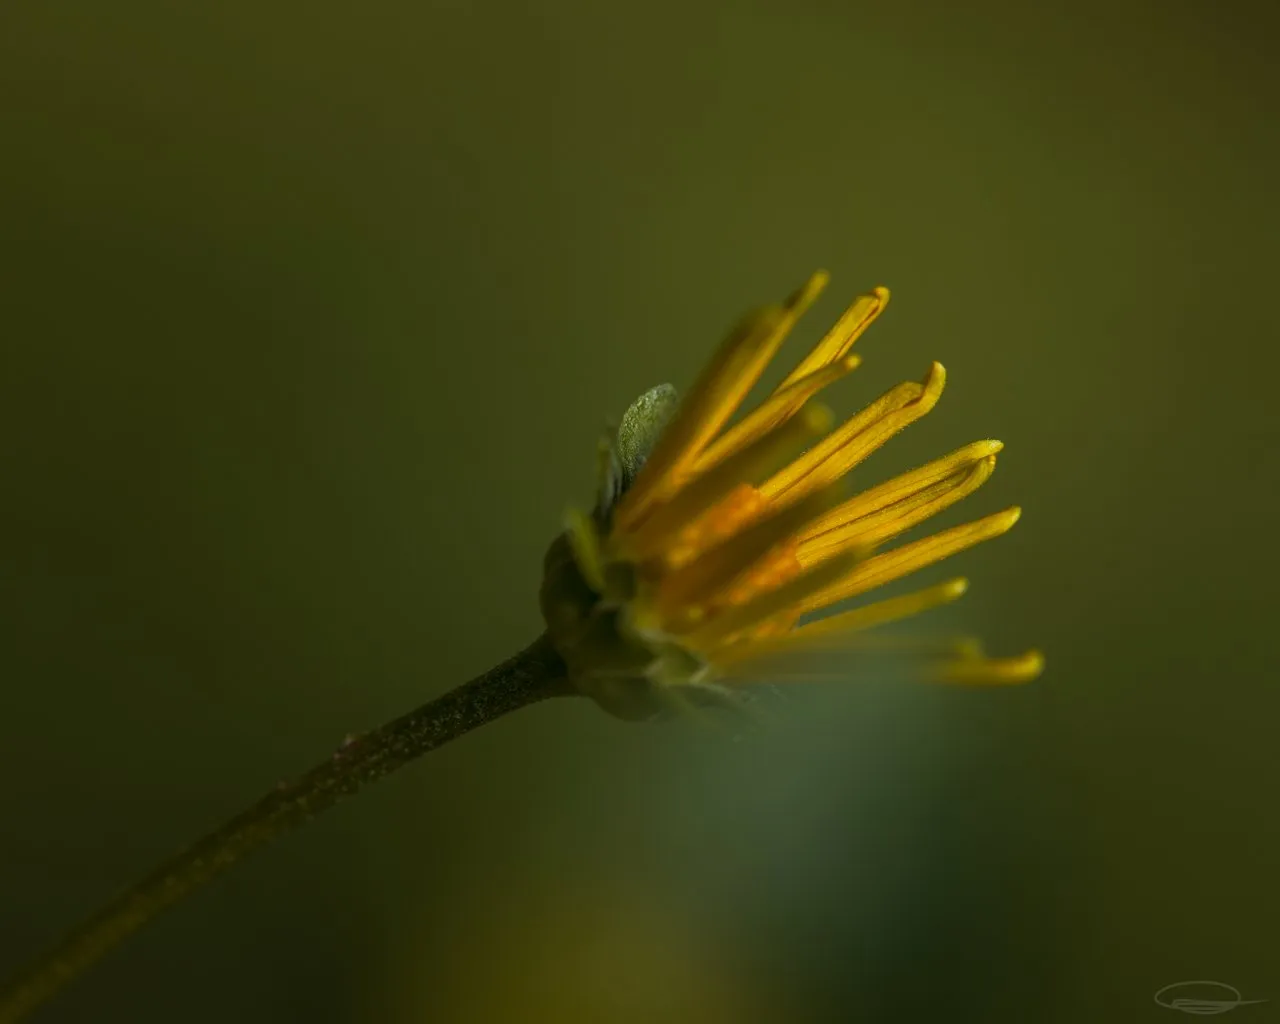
x=710, y=542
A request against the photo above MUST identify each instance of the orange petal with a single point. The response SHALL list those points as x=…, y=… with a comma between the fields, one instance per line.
x=740, y=618
x=698, y=583
x=751, y=465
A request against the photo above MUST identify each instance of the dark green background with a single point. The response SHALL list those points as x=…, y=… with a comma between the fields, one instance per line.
x=310, y=316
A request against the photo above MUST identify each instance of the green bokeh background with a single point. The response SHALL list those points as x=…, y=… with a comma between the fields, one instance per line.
x=310, y=316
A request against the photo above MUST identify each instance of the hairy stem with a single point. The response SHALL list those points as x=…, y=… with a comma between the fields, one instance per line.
x=532, y=675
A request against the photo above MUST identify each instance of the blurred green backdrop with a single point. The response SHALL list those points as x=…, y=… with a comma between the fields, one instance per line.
x=310, y=316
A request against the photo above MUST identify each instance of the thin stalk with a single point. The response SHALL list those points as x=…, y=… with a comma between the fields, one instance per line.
x=532, y=675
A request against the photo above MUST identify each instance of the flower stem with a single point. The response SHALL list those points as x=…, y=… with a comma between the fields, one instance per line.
x=532, y=675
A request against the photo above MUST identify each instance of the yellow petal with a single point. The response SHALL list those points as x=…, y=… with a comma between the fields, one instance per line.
x=981, y=671
x=849, y=628
x=886, y=523
x=859, y=654
x=883, y=612
x=856, y=319
x=713, y=399
x=891, y=565
x=859, y=436
x=777, y=409
x=903, y=486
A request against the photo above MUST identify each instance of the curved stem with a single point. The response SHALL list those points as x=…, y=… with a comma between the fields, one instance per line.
x=532, y=675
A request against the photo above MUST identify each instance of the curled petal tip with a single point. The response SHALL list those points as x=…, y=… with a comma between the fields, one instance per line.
x=931, y=387
x=975, y=669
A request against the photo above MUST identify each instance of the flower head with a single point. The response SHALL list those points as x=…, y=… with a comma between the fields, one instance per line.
x=710, y=542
